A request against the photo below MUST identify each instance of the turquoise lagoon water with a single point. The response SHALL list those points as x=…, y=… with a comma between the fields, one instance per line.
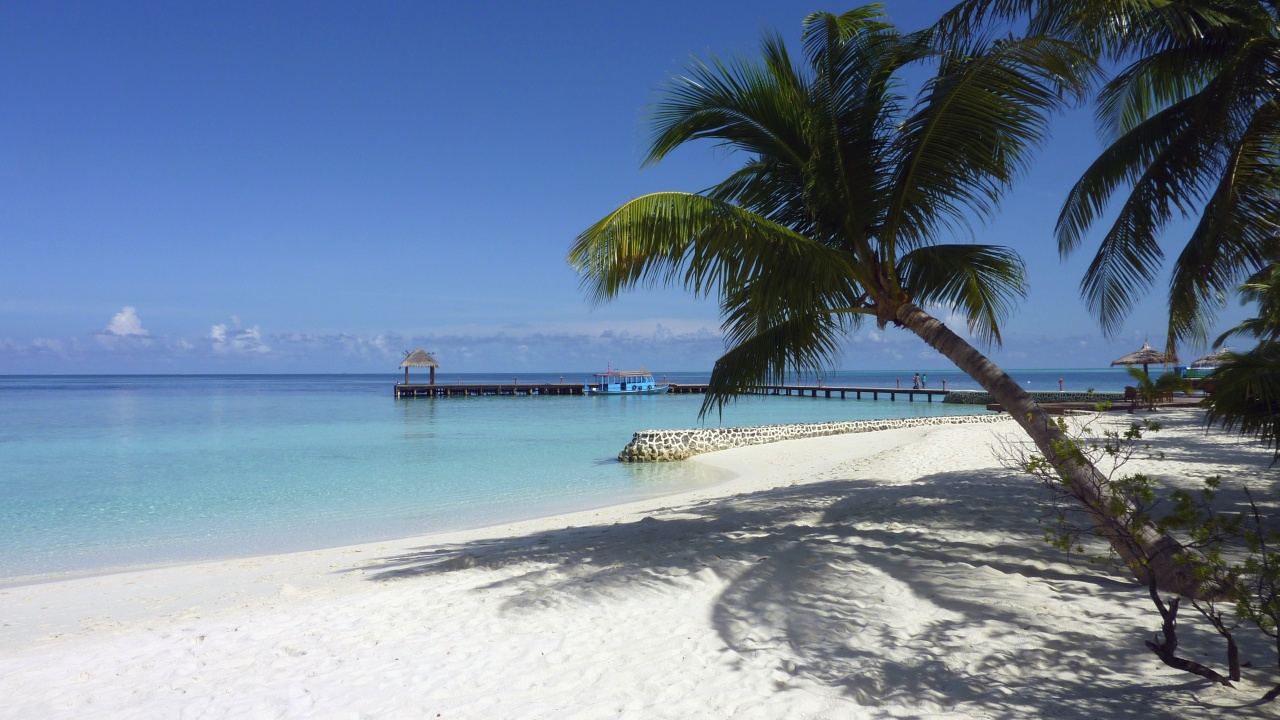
x=106, y=472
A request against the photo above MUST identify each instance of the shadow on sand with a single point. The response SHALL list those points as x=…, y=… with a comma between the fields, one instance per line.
x=929, y=595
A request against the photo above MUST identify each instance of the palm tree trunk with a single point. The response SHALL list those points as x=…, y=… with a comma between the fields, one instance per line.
x=1145, y=550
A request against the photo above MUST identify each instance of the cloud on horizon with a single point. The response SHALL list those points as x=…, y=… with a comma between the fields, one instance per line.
x=128, y=347
x=234, y=339
x=126, y=323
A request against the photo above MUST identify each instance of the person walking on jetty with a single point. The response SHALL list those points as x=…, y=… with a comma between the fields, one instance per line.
x=924, y=381
x=915, y=382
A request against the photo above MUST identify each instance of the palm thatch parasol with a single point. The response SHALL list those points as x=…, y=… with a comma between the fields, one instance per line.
x=1145, y=356
x=419, y=358
x=1212, y=360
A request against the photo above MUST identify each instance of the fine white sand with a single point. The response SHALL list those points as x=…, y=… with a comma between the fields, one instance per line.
x=891, y=574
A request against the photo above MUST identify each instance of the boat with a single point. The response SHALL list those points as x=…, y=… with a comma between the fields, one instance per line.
x=1206, y=365
x=624, y=382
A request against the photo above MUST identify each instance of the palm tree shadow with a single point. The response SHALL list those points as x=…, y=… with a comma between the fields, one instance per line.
x=931, y=595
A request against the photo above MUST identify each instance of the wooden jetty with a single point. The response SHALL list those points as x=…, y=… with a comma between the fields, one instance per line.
x=479, y=389
x=528, y=389
x=841, y=392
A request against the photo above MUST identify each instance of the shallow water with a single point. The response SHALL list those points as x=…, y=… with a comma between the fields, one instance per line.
x=100, y=472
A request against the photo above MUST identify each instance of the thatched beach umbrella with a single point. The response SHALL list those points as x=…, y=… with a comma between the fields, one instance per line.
x=419, y=358
x=1211, y=361
x=1147, y=355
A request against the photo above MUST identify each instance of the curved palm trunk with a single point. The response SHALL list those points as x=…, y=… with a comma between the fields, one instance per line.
x=1146, y=551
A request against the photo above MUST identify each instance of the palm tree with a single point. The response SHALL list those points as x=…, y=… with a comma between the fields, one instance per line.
x=1246, y=394
x=1153, y=392
x=1193, y=122
x=836, y=214
x=1263, y=288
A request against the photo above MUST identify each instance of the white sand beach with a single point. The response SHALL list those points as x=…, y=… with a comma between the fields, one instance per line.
x=896, y=574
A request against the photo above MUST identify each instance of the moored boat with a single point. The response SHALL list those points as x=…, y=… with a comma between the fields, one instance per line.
x=624, y=382
x=1206, y=365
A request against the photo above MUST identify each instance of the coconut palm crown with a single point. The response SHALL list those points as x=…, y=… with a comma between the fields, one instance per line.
x=839, y=211
x=847, y=188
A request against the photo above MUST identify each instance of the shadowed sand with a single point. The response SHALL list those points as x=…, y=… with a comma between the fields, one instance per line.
x=891, y=574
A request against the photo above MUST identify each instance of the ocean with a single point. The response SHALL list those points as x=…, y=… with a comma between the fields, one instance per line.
x=99, y=473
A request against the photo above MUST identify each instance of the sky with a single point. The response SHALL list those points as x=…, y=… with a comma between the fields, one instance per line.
x=321, y=186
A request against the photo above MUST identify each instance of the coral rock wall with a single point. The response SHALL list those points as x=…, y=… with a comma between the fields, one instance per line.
x=665, y=445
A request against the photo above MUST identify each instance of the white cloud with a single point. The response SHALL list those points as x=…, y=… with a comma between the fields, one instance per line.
x=126, y=323
x=236, y=339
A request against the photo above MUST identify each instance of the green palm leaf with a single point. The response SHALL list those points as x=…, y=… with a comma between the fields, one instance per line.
x=983, y=282
x=808, y=341
x=706, y=245
x=1246, y=396
x=1238, y=223
x=1187, y=110
x=946, y=170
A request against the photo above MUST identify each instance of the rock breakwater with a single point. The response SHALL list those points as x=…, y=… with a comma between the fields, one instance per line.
x=668, y=445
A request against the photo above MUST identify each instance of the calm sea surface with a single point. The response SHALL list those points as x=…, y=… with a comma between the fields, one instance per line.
x=104, y=472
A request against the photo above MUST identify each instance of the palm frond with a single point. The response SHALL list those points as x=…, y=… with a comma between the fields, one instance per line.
x=1173, y=162
x=702, y=244
x=970, y=18
x=1152, y=83
x=982, y=282
x=757, y=107
x=1246, y=395
x=972, y=132
x=1262, y=288
x=1124, y=162
x=1239, y=221
x=809, y=341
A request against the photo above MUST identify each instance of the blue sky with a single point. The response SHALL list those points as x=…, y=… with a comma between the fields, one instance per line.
x=317, y=187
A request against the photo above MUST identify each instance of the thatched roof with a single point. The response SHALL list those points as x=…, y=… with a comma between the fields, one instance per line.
x=1212, y=360
x=419, y=358
x=1146, y=356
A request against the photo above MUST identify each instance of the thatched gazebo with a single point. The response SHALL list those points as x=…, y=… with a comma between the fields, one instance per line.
x=419, y=358
x=1145, y=356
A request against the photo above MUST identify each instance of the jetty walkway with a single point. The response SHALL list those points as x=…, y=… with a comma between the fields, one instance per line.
x=840, y=391
x=531, y=389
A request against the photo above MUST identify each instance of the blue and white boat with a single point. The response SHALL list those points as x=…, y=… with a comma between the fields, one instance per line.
x=624, y=382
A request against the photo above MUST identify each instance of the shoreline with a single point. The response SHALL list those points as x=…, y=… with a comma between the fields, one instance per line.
x=546, y=509
x=739, y=476
x=894, y=573
x=466, y=528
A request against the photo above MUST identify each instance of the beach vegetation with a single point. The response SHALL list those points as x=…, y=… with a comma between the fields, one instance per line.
x=1237, y=552
x=842, y=211
x=1152, y=393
